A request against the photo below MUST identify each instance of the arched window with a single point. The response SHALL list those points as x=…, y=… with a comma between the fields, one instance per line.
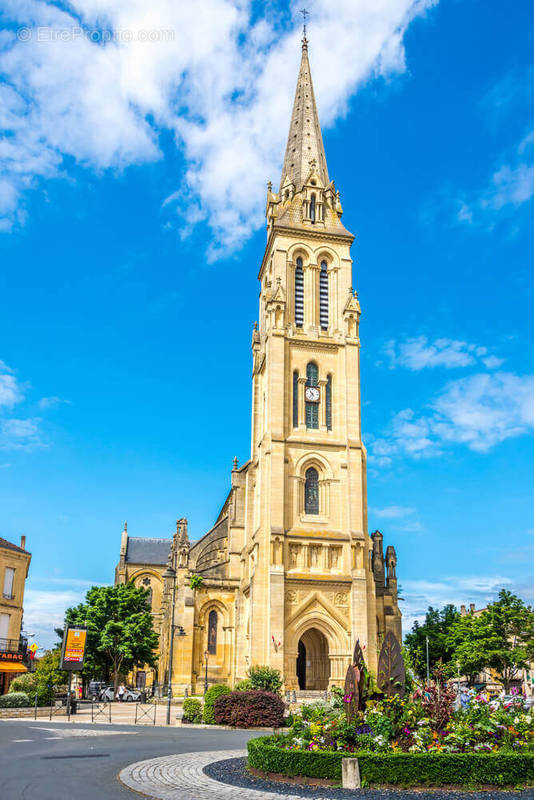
x=295, y=399
x=311, y=491
x=212, y=633
x=312, y=408
x=323, y=296
x=148, y=587
x=299, y=294
x=312, y=208
x=328, y=403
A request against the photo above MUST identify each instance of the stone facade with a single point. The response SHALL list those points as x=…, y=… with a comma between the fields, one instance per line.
x=14, y=566
x=291, y=577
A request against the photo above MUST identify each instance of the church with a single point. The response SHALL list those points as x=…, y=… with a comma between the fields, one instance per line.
x=288, y=574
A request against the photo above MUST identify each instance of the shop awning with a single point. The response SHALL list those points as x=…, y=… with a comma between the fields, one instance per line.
x=12, y=666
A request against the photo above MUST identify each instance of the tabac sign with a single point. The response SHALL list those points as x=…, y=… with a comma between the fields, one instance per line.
x=73, y=648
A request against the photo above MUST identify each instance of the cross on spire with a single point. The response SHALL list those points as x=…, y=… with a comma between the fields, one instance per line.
x=305, y=14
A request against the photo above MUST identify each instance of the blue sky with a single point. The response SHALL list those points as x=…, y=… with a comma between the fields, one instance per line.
x=132, y=185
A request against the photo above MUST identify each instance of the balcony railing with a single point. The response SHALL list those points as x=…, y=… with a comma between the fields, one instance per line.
x=13, y=645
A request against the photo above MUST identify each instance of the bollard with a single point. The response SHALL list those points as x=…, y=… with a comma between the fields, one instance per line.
x=186, y=692
x=350, y=773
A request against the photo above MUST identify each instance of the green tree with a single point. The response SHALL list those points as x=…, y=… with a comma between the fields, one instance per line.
x=436, y=626
x=42, y=681
x=502, y=638
x=468, y=655
x=120, y=632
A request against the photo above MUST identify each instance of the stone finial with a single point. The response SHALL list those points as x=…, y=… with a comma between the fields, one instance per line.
x=125, y=526
x=235, y=463
x=269, y=186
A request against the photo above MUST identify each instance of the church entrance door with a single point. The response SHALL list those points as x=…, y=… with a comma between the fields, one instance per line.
x=301, y=665
x=313, y=664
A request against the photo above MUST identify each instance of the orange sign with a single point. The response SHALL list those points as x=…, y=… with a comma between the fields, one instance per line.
x=73, y=648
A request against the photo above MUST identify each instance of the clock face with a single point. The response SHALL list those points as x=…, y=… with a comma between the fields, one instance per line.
x=312, y=394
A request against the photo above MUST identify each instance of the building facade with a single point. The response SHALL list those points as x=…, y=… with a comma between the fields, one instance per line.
x=291, y=577
x=14, y=566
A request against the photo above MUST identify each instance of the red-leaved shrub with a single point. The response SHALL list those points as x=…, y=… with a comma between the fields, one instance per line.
x=250, y=709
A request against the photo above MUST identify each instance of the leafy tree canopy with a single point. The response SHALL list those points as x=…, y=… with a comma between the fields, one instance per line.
x=436, y=626
x=120, y=632
x=501, y=637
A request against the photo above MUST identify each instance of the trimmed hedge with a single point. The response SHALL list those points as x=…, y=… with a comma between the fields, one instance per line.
x=14, y=700
x=208, y=717
x=406, y=769
x=249, y=709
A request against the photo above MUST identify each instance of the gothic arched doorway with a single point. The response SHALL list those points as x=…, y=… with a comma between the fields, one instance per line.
x=313, y=664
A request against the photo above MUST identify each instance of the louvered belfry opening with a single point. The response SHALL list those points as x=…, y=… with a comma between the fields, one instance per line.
x=299, y=294
x=323, y=296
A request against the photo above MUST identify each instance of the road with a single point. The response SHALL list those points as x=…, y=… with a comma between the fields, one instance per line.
x=65, y=761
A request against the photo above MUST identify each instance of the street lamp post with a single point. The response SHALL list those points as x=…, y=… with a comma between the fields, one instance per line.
x=206, y=655
x=427, y=663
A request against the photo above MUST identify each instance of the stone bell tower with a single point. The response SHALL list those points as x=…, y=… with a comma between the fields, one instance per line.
x=307, y=574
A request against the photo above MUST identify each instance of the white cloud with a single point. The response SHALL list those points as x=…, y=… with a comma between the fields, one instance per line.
x=411, y=526
x=478, y=589
x=10, y=389
x=221, y=84
x=20, y=434
x=52, y=402
x=419, y=353
x=478, y=411
x=511, y=184
x=391, y=512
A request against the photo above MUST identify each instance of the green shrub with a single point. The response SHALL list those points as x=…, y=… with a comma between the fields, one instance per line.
x=14, y=700
x=23, y=683
x=30, y=685
x=243, y=686
x=265, y=678
x=210, y=697
x=250, y=709
x=405, y=769
x=192, y=710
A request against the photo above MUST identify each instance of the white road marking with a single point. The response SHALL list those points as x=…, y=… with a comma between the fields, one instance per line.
x=67, y=732
x=22, y=740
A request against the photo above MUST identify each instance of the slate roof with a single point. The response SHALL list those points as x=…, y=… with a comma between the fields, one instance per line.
x=143, y=550
x=11, y=546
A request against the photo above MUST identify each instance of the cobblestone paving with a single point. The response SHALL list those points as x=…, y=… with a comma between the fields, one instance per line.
x=181, y=777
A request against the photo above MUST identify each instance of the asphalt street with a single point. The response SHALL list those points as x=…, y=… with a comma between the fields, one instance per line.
x=60, y=761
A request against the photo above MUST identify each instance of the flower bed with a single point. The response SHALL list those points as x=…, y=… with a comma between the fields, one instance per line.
x=269, y=754
x=416, y=740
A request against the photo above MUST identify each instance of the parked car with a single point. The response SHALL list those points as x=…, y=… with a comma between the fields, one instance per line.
x=108, y=694
x=94, y=689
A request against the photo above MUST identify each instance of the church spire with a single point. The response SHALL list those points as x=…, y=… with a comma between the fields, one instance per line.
x=304, y=143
